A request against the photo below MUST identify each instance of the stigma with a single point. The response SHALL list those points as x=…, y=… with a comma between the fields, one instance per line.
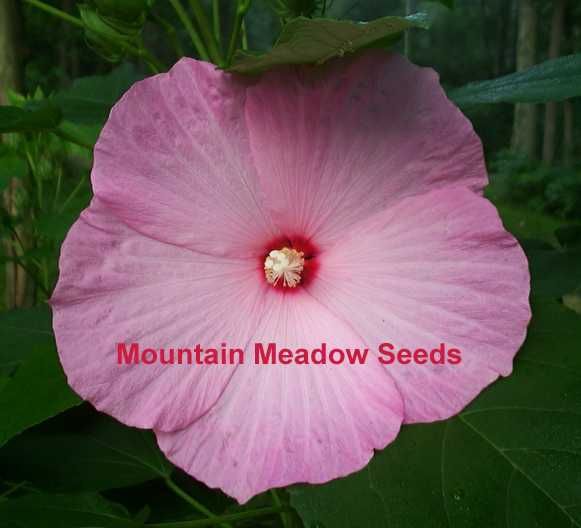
x=284, y=266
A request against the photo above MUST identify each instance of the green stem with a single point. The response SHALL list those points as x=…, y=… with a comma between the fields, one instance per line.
x=233, y=517
x=193, y=502
x=241, y=8
x=35, y=178
x=244, y=35
x=70, y=197
x=204, y=25
x=196, y=40
x=216, y=21
x=25, y=267
x=57, y=191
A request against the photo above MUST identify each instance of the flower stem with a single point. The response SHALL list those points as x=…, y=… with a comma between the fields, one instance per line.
x=216, y=21
x=244, y=35
x=187, y=23
x=193, y=502
x=204, y=25
x=232, y=517
x=241, y=7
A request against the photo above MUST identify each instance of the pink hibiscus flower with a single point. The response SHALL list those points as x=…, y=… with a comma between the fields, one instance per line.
x=338, y=204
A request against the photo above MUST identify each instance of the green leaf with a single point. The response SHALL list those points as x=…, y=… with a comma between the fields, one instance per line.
x=81, y=137
x=554, y=273
x=317, y=40
x=512, y=458
x=37, y=117
x=89, y=99
x=37, y=392
x=553, y=80
x=63, y=511
x=100, y=455
x=22, y=331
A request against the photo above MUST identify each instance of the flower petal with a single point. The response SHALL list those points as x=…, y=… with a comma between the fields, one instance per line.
x=173, y=162
x=117, y=286
x=339, y=143
x=279, y=424
x=437, y=268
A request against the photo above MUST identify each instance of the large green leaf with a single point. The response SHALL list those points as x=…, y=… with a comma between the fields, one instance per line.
x=36, y=117
x=37, y=391
x=21, y=331
x=317, y=40
x=102, y=454
x=553, y=80
x=89, y=99
x=512, y=458
x=554, y=273
x=63, y=511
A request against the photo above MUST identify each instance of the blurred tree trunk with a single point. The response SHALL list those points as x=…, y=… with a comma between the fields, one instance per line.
x=557, y=29
x=524, y=132
x=15, y=289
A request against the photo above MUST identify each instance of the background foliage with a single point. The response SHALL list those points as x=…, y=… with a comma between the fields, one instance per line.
x=512, y=458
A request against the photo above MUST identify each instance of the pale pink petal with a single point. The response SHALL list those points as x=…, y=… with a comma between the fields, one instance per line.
x=338, y=143
x=173, y=162
x=436, y=268
x=115, y=286
x=279, y=424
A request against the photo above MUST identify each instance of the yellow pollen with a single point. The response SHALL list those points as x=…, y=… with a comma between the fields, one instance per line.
x=286, y=264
